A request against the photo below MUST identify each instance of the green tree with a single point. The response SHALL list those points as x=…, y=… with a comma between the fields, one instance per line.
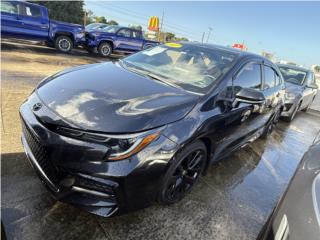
x=170, y=36
x=100, y=19
x=112, y=22
x=182, y=39
x=67, y=11
x=89, y=17
x=317, y=68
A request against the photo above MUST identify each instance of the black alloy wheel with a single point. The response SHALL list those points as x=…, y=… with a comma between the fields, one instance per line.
x=184, y=173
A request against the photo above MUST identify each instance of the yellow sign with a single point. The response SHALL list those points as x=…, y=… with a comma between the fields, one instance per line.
x=153, y=24
x=174, y=45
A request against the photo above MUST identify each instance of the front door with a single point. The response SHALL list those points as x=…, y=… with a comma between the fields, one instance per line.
x=241, y=122
x=34, y=24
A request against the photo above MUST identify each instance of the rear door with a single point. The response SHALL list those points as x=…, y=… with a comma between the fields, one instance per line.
x=35, y=25
x=129, y=40
x=123, y=39
x=271, y=90
x=10, y=20
x=137, y=40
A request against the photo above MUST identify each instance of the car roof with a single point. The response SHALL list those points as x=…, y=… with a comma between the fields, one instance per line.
x=293, y=67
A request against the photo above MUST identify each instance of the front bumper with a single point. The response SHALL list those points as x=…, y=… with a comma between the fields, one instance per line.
x=289, y=108
x=74, y=170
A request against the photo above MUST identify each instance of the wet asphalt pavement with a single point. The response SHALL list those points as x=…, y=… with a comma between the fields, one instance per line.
x=233, y=201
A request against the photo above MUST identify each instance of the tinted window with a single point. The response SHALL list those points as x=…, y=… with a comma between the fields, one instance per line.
x=278, y=79
x=249, y=77
x=31, y=11
x=269, y=77
x=124, y=33
x=136, y=34
x=9, y=7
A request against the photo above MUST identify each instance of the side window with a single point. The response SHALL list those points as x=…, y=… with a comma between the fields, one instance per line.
x=9, y=7
x=278, y=79
x=136, y=34
x=31, y=11
x=269, y=77
x=124, y=32
x=249, y=77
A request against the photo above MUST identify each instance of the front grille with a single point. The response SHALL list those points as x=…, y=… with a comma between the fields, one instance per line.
x=88, y=184
x=39, y=152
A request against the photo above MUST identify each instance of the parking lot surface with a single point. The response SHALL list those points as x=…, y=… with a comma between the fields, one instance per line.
x=233, y=201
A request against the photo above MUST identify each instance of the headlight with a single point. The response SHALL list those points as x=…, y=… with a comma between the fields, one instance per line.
x=80, y=34
x=120, y=146
x=290, y=96
x=124, y=148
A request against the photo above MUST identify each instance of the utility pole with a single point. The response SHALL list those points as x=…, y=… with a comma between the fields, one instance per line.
x=161, y=24
x=210, y=29
x=85, y=18
x=203, y=34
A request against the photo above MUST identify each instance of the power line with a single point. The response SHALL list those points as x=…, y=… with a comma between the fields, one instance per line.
x=137, y=16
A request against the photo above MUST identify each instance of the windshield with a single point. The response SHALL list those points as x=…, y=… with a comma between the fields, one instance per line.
x=292, y=75
x=111, y=29
x=193, y=68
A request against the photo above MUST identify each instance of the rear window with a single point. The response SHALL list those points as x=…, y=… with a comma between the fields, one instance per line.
x=32, y=11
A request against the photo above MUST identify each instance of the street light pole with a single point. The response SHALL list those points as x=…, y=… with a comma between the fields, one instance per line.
x=210, y=29
x=202, y=37
x=161, y=24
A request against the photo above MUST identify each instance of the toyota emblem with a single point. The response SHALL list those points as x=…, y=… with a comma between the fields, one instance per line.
x=37, y=106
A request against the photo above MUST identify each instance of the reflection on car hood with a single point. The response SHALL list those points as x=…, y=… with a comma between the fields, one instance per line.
x=293, y=88
x=106, y=97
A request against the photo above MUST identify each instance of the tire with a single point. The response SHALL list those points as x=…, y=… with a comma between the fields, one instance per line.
x=268, y=130
x=183, y=173
x=63, y=44
x=105, y=49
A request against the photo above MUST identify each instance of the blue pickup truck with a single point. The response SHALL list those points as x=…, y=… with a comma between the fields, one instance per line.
x=116, y=39
x=30, y=21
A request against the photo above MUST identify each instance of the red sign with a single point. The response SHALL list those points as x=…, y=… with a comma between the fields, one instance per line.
x=239, y=46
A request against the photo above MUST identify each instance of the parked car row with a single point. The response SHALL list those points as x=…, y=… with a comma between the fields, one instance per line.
x=24, y=20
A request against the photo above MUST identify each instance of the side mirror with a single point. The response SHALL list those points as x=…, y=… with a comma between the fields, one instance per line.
x=249, y=95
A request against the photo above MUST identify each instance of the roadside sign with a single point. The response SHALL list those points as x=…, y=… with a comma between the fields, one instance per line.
x=153, y=24
x=240, y=46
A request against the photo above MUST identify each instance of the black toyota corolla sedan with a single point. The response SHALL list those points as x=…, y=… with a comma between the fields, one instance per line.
x=113, y=137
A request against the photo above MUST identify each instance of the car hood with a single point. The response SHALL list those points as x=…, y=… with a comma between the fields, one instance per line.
x=108, y=98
